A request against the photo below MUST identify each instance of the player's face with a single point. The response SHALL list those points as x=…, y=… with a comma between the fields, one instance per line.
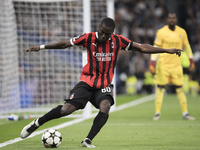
x=172, y=19
x=104, y=33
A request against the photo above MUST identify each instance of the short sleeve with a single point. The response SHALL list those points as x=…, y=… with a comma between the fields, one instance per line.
x=185, y=38
x=125, y=43
x=79, y=40
x=158, y=39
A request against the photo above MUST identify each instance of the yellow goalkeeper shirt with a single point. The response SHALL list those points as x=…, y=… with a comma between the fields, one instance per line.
x=166, y=38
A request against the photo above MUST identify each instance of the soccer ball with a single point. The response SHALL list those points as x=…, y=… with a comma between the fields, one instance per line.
x=51, y=138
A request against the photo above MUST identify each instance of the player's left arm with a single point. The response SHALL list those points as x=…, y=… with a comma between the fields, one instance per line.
x=188, y=50
x=189, y=53
x=147, y=48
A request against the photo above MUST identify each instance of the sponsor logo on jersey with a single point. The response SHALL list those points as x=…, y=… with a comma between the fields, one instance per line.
x=103, y=56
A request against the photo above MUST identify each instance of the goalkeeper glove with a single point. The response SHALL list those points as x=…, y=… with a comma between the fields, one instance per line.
x=191, y=68
x=152, y=67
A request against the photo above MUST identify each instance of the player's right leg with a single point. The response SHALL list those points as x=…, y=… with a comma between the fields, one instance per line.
x=30, y=128
x=158, y=101
x=162, y=78
x=57, y=112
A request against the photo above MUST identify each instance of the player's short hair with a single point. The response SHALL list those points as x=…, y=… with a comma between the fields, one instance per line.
x=171, y=13
x=109, y=22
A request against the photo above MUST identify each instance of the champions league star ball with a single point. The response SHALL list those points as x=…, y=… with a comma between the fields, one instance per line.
x=51, y=138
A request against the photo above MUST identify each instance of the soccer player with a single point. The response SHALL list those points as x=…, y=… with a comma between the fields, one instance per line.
x=168, y=67
x=95, y=82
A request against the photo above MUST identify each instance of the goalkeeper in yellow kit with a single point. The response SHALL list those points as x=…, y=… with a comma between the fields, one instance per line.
x=168, y=67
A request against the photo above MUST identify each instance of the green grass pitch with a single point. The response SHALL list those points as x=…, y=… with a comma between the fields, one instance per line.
x=128, y=129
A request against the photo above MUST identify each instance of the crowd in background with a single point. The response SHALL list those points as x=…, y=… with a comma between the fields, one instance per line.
x=50, y=75
x=139, y=21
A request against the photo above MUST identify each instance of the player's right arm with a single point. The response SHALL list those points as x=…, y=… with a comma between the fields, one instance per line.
x=57, y=45
x=154, y=57
x=152, y=66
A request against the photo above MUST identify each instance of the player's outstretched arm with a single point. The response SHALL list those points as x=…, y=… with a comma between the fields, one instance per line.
x=146, y=48
x=57, y=45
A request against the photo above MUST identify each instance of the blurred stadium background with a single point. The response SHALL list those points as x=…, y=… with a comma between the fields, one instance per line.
x=30, y=80
x=139, y=21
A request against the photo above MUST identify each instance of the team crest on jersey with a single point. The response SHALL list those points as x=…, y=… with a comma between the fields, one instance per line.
x=112, y=44
x=72, y=96
x=180, y=35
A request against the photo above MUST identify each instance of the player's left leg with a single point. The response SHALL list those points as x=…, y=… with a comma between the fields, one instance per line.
x=103, y=100
x=177, y=80
x=100, y=119
x=98, y=122
x=183, y=102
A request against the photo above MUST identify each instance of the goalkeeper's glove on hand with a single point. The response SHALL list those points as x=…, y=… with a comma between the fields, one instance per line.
x=191, y=68
x=152, y=67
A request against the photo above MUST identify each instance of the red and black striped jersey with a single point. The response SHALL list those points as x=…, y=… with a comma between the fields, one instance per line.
x=101, y=57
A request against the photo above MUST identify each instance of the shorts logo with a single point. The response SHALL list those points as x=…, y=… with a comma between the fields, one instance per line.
x=72, y=96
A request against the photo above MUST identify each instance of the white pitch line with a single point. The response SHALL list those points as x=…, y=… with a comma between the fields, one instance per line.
x=121, y=107
x=41, y=131
x=135, y=102
x=141, y=124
